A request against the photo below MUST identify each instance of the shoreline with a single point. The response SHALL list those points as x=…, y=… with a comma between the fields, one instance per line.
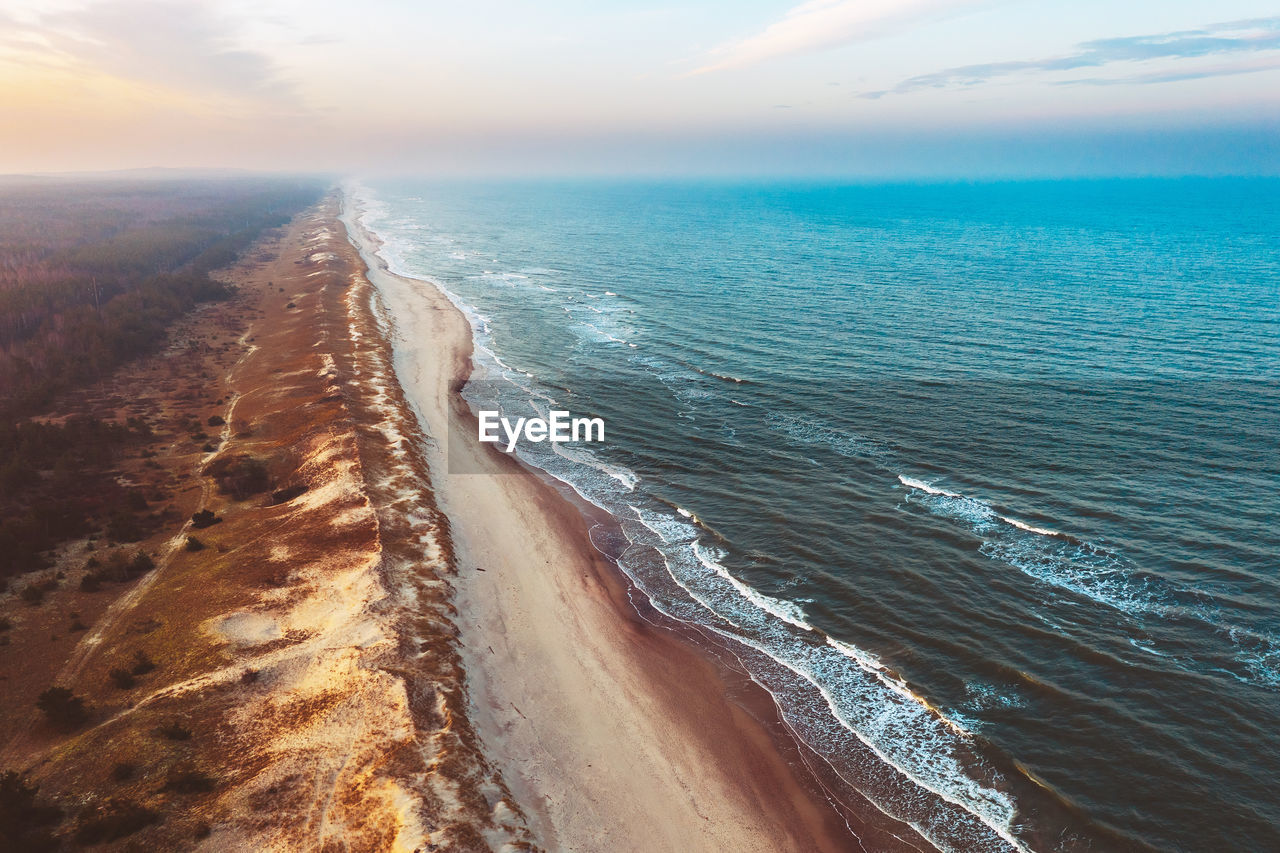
x=703, y=746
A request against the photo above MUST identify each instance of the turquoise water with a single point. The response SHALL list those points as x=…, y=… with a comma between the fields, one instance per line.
x=979, y=481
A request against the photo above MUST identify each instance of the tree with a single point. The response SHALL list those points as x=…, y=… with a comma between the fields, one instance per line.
x=63, y=709
x=22, y=817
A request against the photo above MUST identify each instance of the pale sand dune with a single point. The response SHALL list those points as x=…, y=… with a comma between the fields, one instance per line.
x=612, y=734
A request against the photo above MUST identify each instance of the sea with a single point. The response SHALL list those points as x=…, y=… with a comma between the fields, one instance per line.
x=982, y=478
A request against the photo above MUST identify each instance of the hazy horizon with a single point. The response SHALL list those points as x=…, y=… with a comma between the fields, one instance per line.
x=863, y=89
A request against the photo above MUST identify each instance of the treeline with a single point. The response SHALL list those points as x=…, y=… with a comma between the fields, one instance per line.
x=92, y=276
x=49, y=491
x=117, y=265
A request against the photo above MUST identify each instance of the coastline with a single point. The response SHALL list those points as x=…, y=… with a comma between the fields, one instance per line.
x=354, y=626
x=611, y=730
x=387, y=655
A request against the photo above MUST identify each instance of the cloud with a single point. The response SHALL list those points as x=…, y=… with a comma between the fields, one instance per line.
x=1175, y=76
x=1233, y=37
x=820, y=25
x=177, y=45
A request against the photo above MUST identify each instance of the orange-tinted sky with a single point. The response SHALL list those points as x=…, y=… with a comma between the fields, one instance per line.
x=878, y=87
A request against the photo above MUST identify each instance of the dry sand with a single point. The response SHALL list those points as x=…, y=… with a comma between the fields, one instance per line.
x=613, y=733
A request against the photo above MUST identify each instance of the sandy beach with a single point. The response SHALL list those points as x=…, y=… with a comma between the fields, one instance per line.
x=612, y=732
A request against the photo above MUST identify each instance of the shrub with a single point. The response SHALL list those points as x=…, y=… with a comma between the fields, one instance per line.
x=32, y=594
x=116, y=567
x=122, y=677
x=124, y=527
x=189, y=781
x=77, y=626
x=174, y=730
x=21, y=816
x=141, y=564
x=216, y=420
x=5, y=624
x=141, y=663
x=240, y=476
x=115, y=819
x=139, y=426
x=62, y=708
x=204, y=518
x=194, y=544
x=249, y=676
x=91, y=582
x=123, y=771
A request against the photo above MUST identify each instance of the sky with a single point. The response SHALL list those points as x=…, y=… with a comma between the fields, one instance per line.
x=864, y=88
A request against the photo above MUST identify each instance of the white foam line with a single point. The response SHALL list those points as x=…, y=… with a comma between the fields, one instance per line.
x=600, y=331
x=913, y=483
x=624, y=476
x=1022, y=525
x=787, y=611
x=929, y=488
x=1147, y=649
x=869, y=663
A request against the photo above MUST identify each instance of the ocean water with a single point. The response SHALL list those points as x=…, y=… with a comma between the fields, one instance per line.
x=983, y=480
